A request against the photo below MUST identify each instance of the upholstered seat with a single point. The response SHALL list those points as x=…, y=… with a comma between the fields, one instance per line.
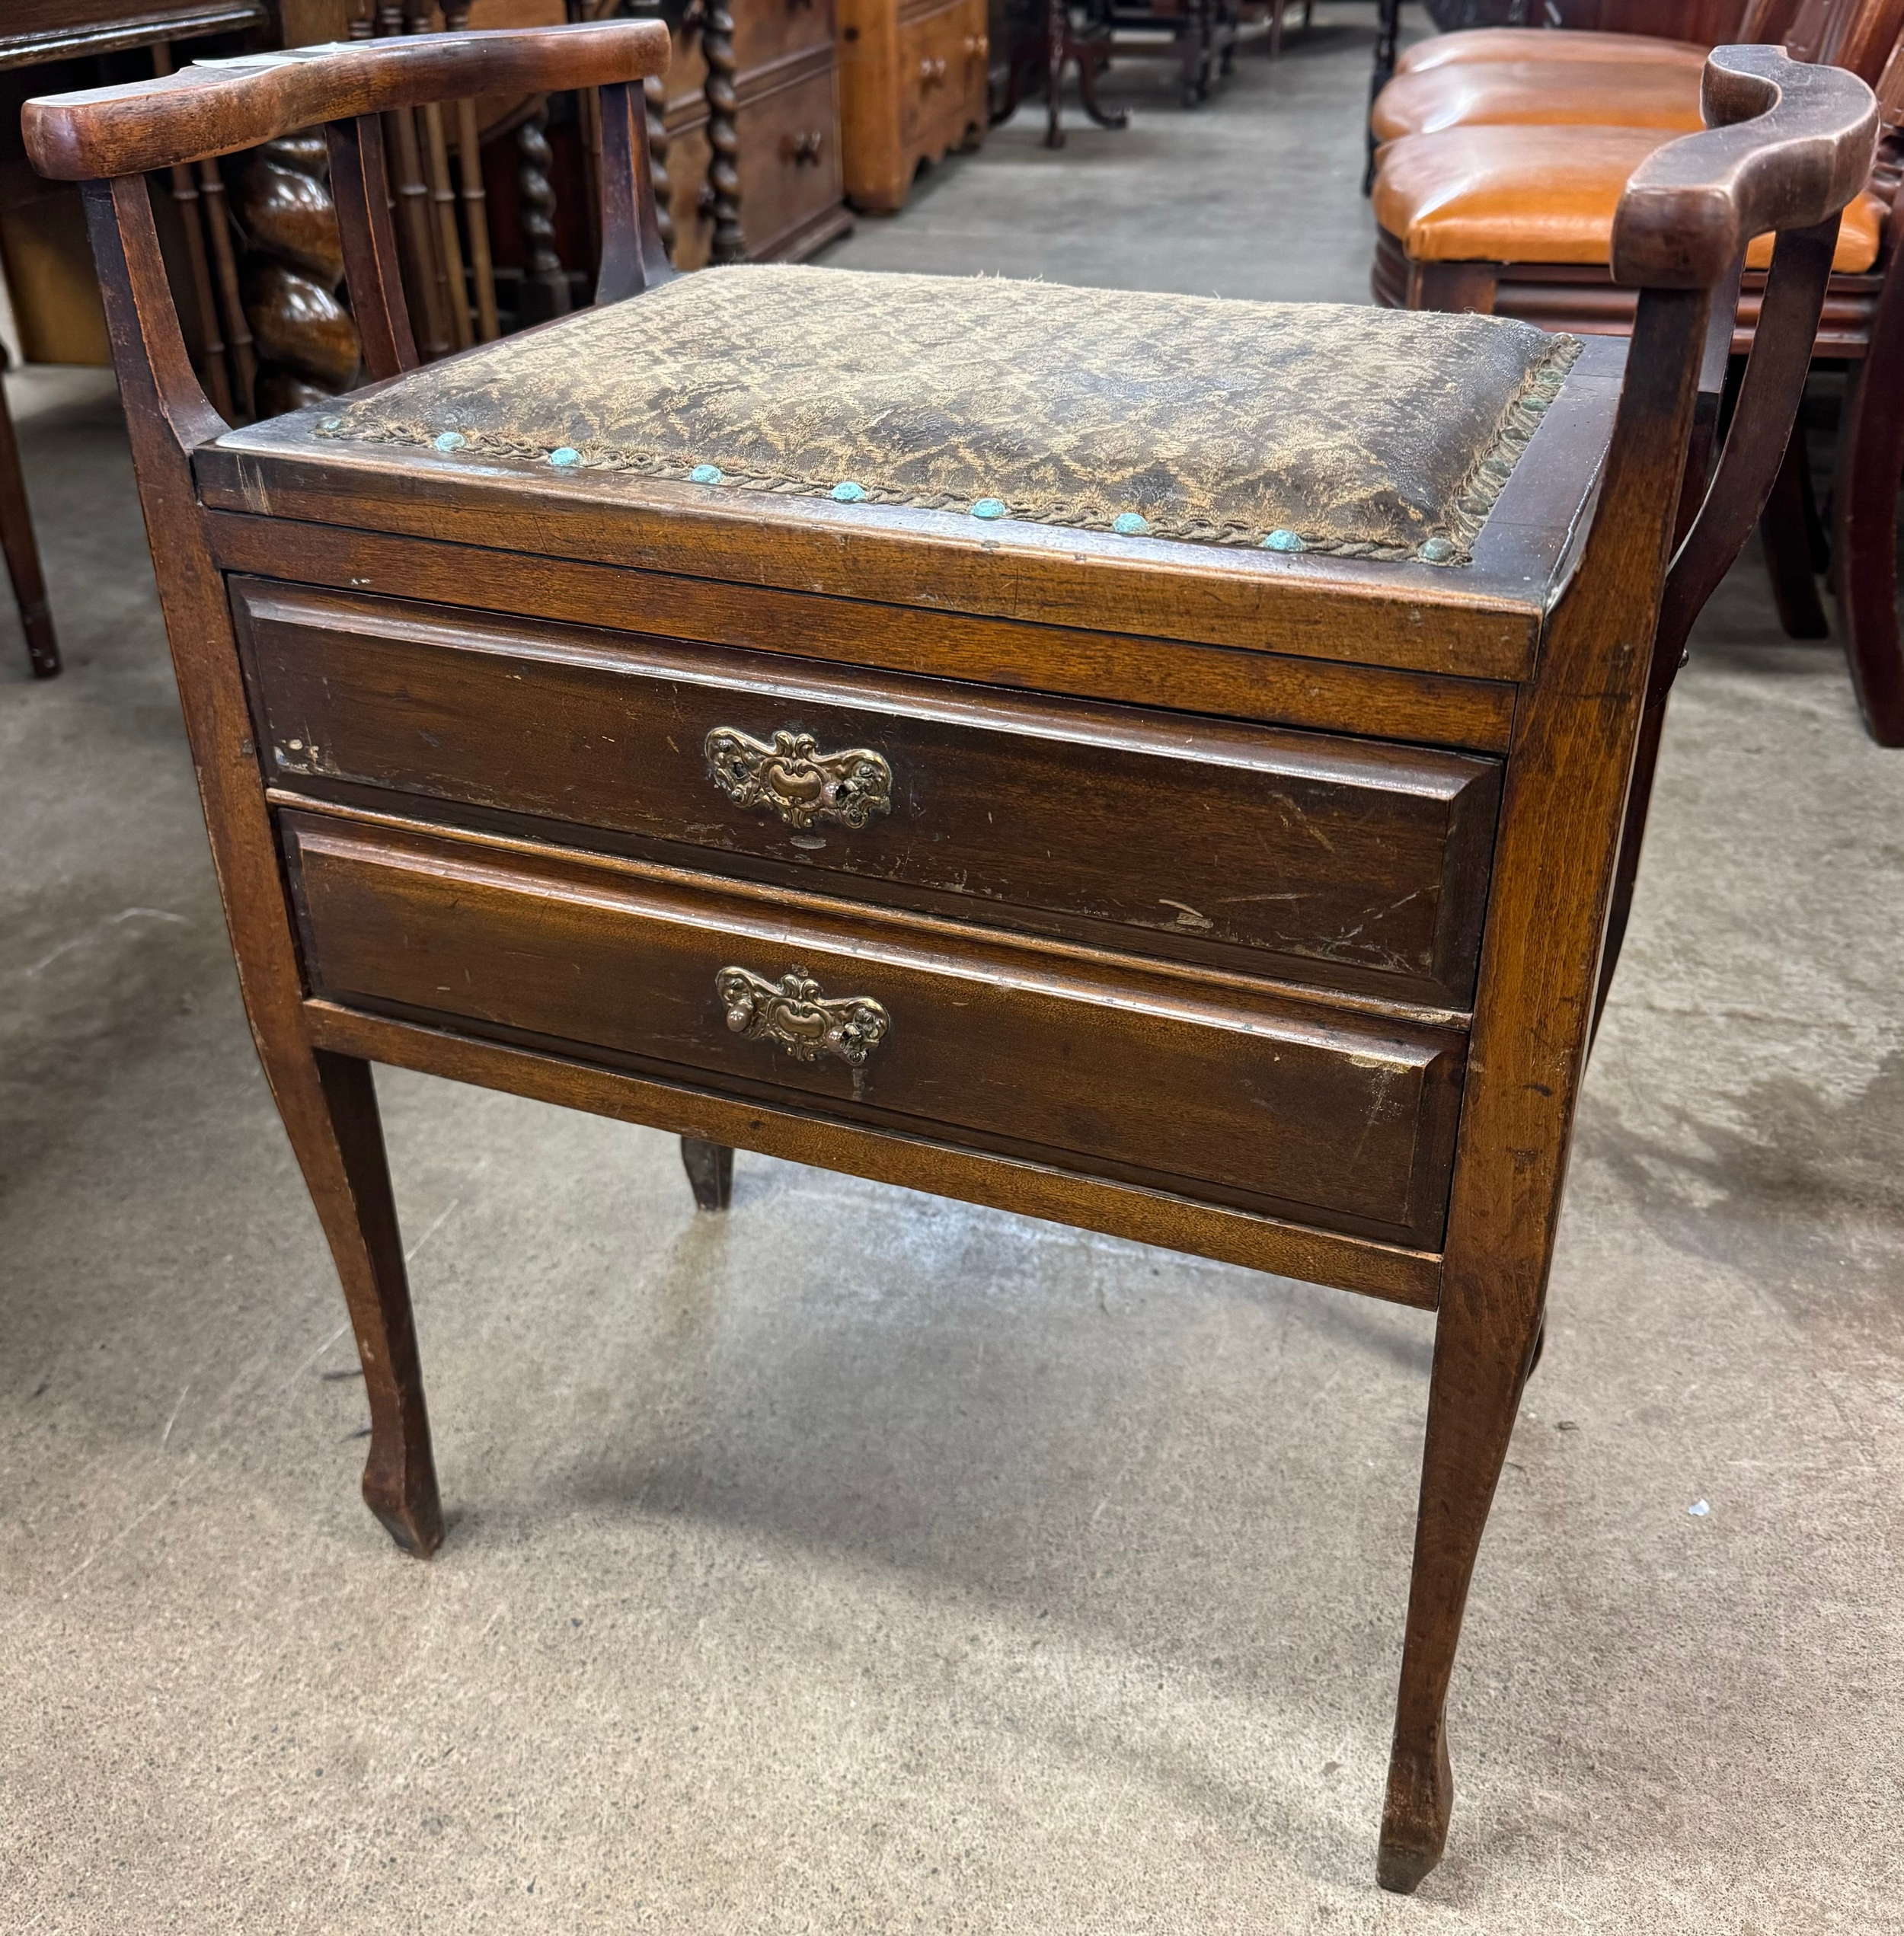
x=1639, y=94
x=1542, y=194
x=1493, y=43
x=1357, y=431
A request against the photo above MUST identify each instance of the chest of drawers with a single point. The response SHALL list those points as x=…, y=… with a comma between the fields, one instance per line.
x=912, y=86
x=746, y=125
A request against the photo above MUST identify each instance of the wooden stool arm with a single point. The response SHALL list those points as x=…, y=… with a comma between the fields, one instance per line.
x=217, y=107
x=1767, y=407
x=1789, y=145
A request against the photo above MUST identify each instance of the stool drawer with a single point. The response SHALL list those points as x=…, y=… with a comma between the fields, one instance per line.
x=1346, y=863
x=1340, y=1120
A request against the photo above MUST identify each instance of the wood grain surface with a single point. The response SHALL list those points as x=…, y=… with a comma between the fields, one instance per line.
x=1348, y=862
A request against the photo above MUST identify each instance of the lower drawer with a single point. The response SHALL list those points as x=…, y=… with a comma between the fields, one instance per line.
x=790, y=173
x=1211, y=1088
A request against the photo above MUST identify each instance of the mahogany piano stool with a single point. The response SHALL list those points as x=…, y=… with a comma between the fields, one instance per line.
x=1154, y=764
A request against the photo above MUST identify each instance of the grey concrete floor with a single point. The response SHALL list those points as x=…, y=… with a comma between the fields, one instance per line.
x=862, y=1562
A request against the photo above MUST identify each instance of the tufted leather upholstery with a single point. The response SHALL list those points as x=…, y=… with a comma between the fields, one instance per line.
x=1553, y=44
x=1541, y=194
x=1609, y=93
x=1375, y=433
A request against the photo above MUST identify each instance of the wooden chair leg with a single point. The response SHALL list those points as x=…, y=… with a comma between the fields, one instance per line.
x=1865, y=539
x=711, y=1172
x=23, y=553
x=1483, y=1354
x=1057, y=43
x=1091, y=61
x=1388, y=33
x=1785, y=531
x=329, y=1111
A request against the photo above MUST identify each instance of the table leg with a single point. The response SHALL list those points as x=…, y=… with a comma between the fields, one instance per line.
x=1387, y=29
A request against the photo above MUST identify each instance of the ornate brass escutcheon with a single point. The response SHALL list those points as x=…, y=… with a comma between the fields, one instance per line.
x=795, y=780
x=793, y=1013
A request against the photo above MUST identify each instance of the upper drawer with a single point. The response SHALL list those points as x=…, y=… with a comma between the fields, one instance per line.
x=1341, y=862
x=941, y=72
x=1222, y=1091
x=769, y=31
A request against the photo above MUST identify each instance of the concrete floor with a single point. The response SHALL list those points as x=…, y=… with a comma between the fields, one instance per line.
x=860, y=1562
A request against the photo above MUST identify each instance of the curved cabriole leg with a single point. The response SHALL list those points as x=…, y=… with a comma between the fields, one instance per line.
x=1482, y=1361
x=710, y=1170
x=330, y=1111
x=1092, y=62
x=327, y=1104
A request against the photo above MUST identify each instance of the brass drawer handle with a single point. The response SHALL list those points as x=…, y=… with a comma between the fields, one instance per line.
x=793, y=1013
x=793, y=779
x=804, y=149
x=931, y=72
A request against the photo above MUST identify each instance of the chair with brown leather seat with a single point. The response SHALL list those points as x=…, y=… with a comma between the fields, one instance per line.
x=1524, y=75
x=1516, y=220
x=1483, y=45
x=1695, y=26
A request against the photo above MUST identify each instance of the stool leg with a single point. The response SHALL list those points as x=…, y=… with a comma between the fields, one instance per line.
x=711, y=1171
x=330, y=1111
x=23, y=553
x=1482, y=1354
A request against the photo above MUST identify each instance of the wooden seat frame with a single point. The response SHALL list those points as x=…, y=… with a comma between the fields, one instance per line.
x=1540, y=650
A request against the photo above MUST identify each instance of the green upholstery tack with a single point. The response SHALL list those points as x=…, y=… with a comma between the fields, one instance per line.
x=705, y=474
x=565, y=457
x=1284, y=541
x=451, y=440
x=849, y=494
x=1130, y=524
x=1437, y=551
x=989, y=507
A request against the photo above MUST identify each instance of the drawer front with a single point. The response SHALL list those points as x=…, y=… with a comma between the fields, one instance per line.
x=1340, y=1121
x=941, y=75
x=769, y=31
x=1339, y=862
x=789, y=170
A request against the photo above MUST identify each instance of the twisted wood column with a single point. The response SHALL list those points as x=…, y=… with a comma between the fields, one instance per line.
x=723, y=172
x=306, y=344
x=545, y=289
x=654, y=96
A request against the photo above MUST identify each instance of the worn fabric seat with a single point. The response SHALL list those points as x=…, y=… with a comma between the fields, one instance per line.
x=1483, y=45
x=1543, y=194
x=1639, y=93
x=1356, y=431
